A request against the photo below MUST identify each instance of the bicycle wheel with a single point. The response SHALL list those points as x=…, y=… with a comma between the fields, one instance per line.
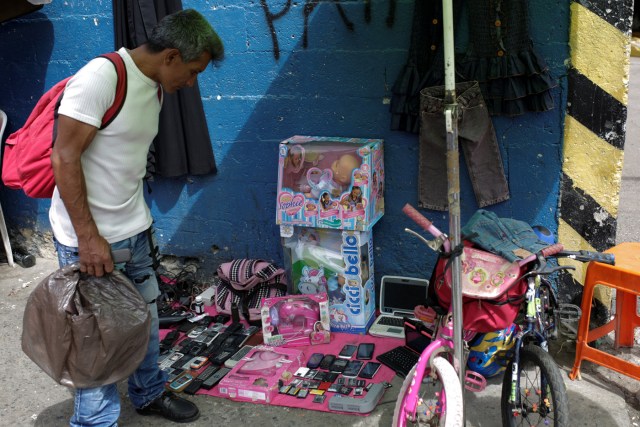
x=542, y=395
x=440, y=399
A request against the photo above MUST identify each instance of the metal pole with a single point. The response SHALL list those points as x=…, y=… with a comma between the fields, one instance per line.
x=453, y=178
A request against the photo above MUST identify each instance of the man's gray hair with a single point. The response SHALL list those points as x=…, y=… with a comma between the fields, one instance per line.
x=190, y=33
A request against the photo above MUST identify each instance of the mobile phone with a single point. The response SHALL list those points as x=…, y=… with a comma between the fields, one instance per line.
x=353, y=368
x=198, y=362
x=181, y=382
x=327, y=360
x=195, y=332
x=314, y=360
x=369, y=370
x=365, y=351
x=347, y=351
x=238, y=355
x=339, y=365
x=121, y=255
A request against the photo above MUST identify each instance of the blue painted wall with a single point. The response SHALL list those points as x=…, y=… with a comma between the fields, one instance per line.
x=334, y=87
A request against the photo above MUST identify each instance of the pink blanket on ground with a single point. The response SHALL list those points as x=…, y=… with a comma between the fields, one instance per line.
x=338, y=340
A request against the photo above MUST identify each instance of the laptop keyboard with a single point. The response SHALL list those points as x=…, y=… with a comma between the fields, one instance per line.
x=400, y=359
x=390, y=321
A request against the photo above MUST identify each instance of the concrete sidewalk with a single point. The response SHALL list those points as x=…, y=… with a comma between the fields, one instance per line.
x=601, y=398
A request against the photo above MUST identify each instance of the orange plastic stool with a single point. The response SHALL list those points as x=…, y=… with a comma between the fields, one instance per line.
x=624, y=277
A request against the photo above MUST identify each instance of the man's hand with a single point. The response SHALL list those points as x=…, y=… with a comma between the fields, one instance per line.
x=95, y=256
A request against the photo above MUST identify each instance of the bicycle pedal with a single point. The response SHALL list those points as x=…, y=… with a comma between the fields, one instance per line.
x=568, y=312
x=474, y=381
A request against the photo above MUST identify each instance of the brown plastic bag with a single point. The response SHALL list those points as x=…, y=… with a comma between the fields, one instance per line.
x=86, y=331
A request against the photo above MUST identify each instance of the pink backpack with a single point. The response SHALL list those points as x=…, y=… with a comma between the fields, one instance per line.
x=245, y=282
x=492, y=289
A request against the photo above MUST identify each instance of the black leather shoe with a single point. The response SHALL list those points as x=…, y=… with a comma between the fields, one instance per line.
x=172, y=407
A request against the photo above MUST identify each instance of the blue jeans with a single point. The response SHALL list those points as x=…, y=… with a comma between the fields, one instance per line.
x=100, y=406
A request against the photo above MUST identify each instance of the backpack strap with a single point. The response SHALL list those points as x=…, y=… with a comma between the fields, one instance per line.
x=121, y=88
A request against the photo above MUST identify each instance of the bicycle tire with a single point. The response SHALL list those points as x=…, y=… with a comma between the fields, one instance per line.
x=535, y=364
x=447, y=382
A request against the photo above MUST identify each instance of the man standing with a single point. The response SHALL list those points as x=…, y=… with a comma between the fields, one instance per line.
x=98, y=204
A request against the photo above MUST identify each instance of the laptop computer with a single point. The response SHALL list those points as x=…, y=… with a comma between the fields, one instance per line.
x=402, y=359
x=398, y=297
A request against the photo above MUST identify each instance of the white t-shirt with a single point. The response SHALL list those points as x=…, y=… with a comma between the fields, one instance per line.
x=115, y=162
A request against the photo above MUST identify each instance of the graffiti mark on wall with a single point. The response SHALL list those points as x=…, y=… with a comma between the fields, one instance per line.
x=309, y=6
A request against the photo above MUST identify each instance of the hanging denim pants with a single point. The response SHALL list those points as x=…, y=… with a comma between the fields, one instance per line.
x=477, y=140
x=100, y=406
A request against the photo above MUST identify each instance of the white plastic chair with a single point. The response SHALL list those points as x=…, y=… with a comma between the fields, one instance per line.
x=3, y=225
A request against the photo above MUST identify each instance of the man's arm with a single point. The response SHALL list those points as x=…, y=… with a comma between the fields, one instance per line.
x=74, y=137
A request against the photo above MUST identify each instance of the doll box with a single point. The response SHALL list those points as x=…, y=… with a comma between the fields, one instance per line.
x=296, y=320
x=326, y=182
x=255, y=378
x=338, y=263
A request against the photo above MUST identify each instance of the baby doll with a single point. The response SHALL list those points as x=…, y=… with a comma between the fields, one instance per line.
x=332, y=180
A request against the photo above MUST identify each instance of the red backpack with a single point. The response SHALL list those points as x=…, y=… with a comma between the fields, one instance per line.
x=26, y=163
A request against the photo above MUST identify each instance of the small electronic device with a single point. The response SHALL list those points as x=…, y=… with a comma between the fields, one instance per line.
x=353, y=368
x=339, y=365
x=301, y=372
x=169, y=340
x=347, y=351
x=327, y=360
x=361, y=405
x=303, y=393
x=198, y=362
x=121, y=255
x=181, y=382
x=369, y=370
x=237, y=356
x=315, y=360
x=365, y=351
x=195, y=332
x=401, y=359
x=221, y=356
x=234, y=327
x=331, y=376
x=311, y=374
x=196, y=384
x=206, y=337
x=319, y=398
x=215, y=378
x=398, y=298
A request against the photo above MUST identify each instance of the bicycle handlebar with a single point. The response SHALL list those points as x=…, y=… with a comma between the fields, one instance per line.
x=586, y=256
x=418, y=218
x=552, y=250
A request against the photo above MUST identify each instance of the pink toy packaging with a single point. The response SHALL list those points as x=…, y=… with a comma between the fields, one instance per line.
x=338, y=263
x=255, y=378
x=296, y=320
x=330, y=182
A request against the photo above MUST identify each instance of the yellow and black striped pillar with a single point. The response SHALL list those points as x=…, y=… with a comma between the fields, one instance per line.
x=594, y=131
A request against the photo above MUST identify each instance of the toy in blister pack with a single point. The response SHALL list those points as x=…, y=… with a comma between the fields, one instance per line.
x=330, y=182
x=295, y=320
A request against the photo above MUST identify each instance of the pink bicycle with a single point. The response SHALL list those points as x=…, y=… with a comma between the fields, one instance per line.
x=431, y=394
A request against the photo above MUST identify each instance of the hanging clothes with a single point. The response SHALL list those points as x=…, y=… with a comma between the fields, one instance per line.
x=424, y=66
x=477, y=141
x=183, y=144
x=513, y=78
